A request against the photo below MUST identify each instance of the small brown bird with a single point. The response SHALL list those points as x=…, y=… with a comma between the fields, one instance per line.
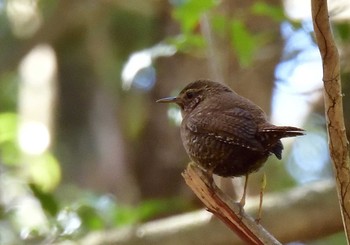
x=225, y=133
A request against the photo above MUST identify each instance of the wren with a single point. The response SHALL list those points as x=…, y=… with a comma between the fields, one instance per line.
x=224, y=133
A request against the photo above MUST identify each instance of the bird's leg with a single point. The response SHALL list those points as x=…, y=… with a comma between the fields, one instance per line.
x=242, y=201
x=262, y=190
x=209, y=173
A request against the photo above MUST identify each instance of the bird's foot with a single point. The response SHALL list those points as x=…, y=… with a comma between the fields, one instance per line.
x=241, y=204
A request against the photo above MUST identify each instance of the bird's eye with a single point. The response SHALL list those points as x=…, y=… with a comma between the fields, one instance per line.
x=189, y=95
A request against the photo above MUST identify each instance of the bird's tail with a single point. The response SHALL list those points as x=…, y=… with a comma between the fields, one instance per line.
x=282, y=131
x=272, y=134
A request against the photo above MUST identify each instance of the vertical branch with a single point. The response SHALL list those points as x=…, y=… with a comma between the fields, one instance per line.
x=338, y=143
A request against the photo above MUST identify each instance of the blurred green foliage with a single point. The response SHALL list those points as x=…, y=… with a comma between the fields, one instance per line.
x=342, y=31
x=72, y=216
x=64, y=217
x=245, y=43
x=47, y=200
x=8, y=138
x=261, y=8
x=189, y=13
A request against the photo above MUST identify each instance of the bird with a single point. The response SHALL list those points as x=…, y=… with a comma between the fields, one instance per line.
x=224, y=133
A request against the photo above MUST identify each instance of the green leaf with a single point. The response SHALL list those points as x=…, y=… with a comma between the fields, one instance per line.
x=264, y=9
x=187, y=42
x=243, y=42
x=151, y=208
x=44, y=171
x=189, y=13
x=147, y=210
x=343, y=30
x=8, y=138
x=47, y=200
x=8, y=127
x=219, y=23
x=126, y=215
x=90, y=217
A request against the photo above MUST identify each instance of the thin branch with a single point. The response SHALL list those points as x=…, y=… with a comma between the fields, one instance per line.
x=226, y=210
x=338, y=143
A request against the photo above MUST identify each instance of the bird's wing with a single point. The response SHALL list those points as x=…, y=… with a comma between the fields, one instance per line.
x=233, y=126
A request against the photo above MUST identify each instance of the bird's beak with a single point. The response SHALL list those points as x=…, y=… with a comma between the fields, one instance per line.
x=168, y=100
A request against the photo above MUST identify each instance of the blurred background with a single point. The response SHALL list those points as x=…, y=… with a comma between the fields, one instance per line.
x=84, y=147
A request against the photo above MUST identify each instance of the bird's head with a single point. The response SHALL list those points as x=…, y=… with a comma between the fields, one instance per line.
x=194, y=93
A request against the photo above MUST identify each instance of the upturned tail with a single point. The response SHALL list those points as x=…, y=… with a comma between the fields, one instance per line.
x=282, y=131
x=272, y=134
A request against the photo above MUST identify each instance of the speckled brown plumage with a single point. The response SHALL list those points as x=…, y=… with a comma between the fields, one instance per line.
x=225, y=133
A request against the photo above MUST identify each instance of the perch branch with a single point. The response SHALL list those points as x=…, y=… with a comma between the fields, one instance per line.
x=229, y=212
x=338, y=143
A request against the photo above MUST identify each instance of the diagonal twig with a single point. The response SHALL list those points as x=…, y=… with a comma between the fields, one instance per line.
x=225, y=209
